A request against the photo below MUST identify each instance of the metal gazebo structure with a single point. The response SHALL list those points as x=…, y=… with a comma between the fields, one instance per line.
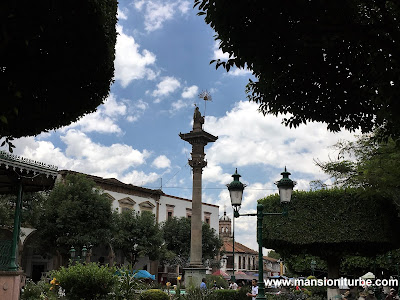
x=18, y=175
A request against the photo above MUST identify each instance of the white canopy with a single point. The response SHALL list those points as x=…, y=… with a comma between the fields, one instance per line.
x=368, y=275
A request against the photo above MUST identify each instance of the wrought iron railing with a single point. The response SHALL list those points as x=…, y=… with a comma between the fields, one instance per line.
x=5, y=249
x=16, y=158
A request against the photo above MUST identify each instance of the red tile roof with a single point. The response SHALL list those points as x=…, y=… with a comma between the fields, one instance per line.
x=270, y=259
x=239, y=248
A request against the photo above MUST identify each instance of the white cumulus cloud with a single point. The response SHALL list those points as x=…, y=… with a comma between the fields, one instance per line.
x=224, y=56
x=247, y=137
x=136, y=110
x=122, y=13
x=166, y=86
x=239, y=72
x=157, y=12
x=218, y=53
x=83, y=155
x=190, y=92
x=103, y=120
x=161, y=162
x=129, y=63
x=140, y=178
x=178, y=105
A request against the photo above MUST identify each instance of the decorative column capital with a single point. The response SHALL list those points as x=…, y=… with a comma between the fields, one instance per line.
x=197, y=163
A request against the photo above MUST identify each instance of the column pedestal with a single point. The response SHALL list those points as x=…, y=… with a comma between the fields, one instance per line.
x=10, y=284
x=193, y=276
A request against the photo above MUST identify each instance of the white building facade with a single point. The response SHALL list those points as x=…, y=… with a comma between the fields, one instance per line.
x=124, y=197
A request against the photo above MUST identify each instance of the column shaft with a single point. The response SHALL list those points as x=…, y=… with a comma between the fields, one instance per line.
x=196, y=237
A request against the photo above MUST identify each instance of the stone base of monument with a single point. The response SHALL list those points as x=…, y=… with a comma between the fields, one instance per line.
x=193, y=276
x=10, y=284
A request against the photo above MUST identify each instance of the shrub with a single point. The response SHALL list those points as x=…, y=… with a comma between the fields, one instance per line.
x=318, y=291
x=242, y=293
x=35, y=291
x=127, y=286
x=195, y=294
x=86, y=281
x=225, y=295
x=154, y=295
x=219, y=280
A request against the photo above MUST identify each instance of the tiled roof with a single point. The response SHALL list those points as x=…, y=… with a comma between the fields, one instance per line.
x=113, y=181
x=270, y=259
x=116, y=182
x=239, y=248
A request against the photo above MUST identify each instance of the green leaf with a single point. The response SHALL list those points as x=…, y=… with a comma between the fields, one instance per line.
x=3, y=119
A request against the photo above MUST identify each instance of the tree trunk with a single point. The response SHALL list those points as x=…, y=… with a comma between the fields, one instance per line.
x=333, y=263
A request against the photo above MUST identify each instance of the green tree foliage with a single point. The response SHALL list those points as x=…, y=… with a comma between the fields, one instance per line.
x=137, y=235
x=153, y=294
x=57, y=62
x=328, y=61
x=350, y=265
x=365, y=223
x=274, y=254
x=368, y=164
x=331, y=224
x=31, y=210
x=33, y=291
x=75, y=214
x=7, y=204
x=86, y=282
x=300, y=263
x=218, y=280
x=176, y=233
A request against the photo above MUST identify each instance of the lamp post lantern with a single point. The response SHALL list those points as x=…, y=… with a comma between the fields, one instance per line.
x=72, y=253
x=285, y=186
x=236, y=193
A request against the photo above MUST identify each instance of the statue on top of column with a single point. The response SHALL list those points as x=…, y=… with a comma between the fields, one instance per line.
x=198, y=120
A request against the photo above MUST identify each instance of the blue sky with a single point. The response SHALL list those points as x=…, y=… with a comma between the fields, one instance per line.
x=162, y=64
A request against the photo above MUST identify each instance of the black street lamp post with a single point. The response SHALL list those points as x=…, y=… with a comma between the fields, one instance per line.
x=285, y=186
x=236, y=192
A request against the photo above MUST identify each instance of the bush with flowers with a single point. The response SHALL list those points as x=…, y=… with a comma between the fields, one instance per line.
x=85, y=281
x=38, y=291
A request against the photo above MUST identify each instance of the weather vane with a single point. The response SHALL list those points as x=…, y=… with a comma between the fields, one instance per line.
x=206, y=96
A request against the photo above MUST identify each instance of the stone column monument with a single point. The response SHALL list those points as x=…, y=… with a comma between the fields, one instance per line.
x=198, y=138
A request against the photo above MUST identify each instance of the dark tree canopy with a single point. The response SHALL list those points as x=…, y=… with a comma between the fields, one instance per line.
x=56, y=62
x=137, y=234
x=75, y=214
x=368, y=164
x=332, y=222
x=327, y=61
x=177, y=233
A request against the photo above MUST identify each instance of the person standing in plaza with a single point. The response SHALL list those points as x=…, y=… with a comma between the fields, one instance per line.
x=232, y=285
x=254, y=290
x=203, y=285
